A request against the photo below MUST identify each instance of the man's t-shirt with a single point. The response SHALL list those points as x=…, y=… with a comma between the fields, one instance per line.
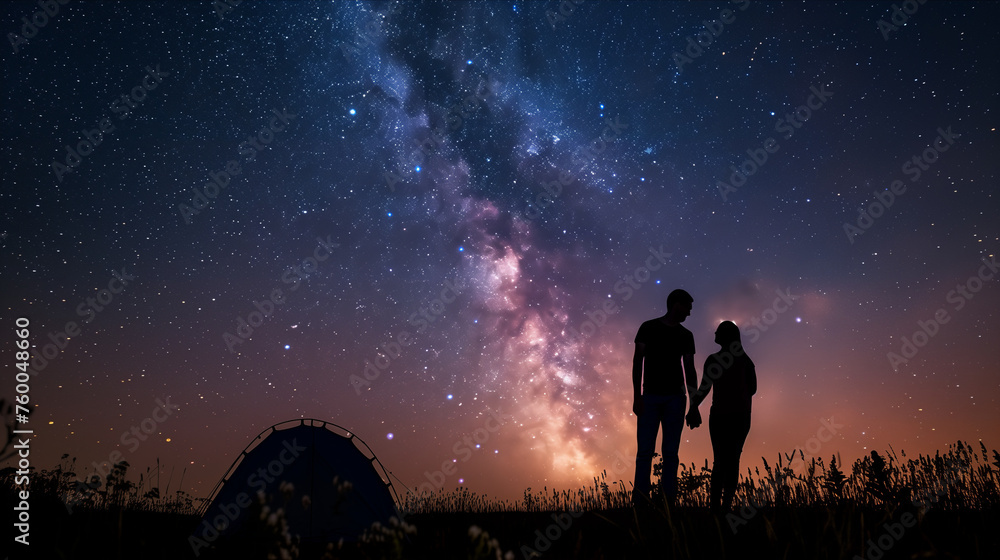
x=662, y=372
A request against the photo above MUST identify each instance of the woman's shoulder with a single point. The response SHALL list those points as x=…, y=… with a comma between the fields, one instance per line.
x=727, y=357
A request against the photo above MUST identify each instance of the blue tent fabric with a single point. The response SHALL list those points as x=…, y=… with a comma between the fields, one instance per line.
x=316, y=462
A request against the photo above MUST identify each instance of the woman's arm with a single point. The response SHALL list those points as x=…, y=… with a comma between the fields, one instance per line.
x=708, y=375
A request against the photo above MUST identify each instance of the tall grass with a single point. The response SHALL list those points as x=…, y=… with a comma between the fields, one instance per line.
x=112, y=491
x=814, y=510
x=959, y=479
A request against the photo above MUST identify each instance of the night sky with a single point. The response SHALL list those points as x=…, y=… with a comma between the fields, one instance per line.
x=178, y=174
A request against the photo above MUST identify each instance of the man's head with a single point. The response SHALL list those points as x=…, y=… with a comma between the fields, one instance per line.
x=679, y=305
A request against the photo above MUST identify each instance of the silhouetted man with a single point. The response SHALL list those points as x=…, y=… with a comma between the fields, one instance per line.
x=734, y=376
x=664, y=358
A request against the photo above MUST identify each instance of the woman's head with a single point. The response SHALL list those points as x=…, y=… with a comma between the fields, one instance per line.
x=727, y=333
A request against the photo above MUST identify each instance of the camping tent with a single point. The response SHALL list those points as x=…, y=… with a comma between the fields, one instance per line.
x=316, y=461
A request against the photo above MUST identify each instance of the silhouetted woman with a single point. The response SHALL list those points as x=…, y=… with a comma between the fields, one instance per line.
x=735, y=379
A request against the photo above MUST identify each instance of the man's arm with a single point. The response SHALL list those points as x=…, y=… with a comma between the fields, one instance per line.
x=690, y=375
x=693, y=416
x=640, y=352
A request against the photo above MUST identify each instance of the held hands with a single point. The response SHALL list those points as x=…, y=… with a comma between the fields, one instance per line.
x=693, y=418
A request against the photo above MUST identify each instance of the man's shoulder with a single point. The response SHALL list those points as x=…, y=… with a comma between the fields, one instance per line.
x=657, y=324
x=653, y=325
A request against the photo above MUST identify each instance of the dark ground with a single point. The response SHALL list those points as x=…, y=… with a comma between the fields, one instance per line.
x=814, y=533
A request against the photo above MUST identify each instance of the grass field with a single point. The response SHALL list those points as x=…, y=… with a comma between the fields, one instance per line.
x=887, y=506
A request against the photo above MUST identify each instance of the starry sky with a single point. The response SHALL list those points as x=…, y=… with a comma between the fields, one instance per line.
x=440, y=224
